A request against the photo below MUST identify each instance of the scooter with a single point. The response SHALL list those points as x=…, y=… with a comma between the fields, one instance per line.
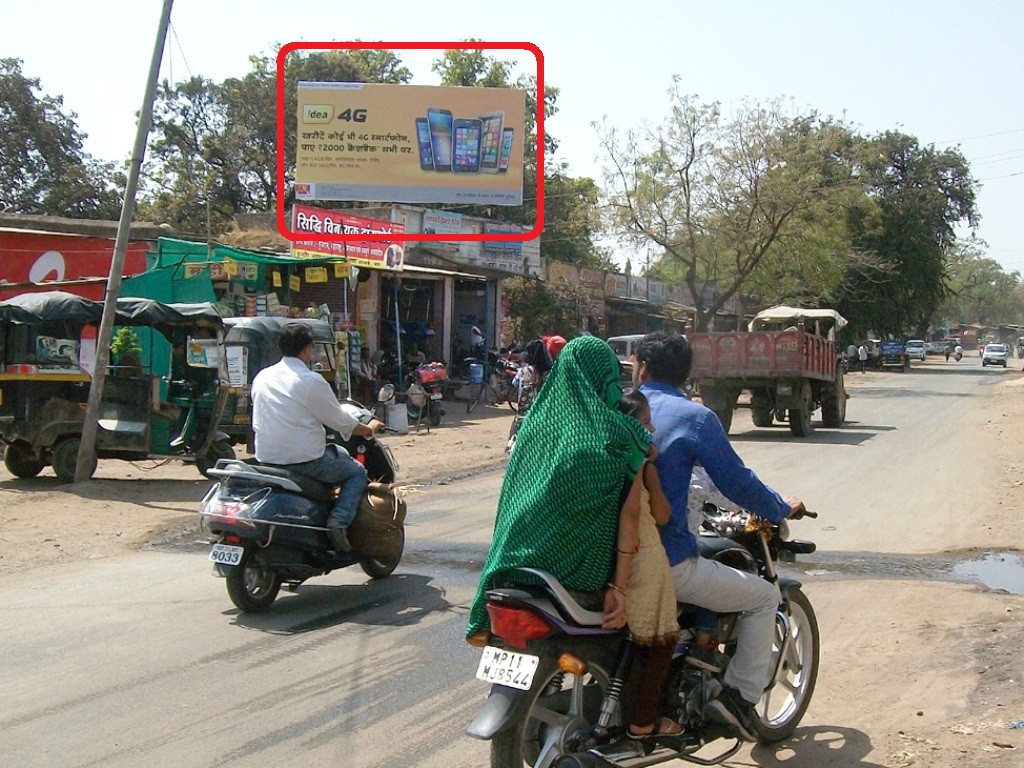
x=269, y=524
x=560, y=683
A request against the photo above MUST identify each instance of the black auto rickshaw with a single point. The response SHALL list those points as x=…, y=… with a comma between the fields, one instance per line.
x=252, y=344
x=166, y=407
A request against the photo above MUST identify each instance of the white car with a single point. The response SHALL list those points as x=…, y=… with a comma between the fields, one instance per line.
x=915, y=349
x=994, y=354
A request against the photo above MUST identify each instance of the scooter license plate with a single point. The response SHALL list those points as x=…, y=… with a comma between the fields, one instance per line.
x=501, y=667
x=225, y=554
x=436, y=395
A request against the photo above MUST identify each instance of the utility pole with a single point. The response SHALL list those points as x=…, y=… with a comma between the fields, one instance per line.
x=87, y=446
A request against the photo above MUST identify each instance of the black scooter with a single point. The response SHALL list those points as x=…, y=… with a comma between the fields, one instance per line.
x=270, y=524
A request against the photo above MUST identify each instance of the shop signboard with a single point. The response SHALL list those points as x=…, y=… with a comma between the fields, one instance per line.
x=375, y=254
x=616, y=285
x=409, y=143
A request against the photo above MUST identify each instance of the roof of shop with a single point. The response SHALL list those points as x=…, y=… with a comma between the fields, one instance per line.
x=170, y=252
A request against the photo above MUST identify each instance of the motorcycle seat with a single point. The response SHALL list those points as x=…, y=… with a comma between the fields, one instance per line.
x=313, y=489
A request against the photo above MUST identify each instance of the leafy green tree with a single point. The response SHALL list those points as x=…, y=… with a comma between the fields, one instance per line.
x=571, y=220
x=918, y=195
x=979, y=290
x=734, y=204
x=43, y=168
x=537, y=308
x=214, y=149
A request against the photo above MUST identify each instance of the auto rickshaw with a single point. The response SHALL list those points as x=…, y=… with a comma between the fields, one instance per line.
x=168, y=408
x=252, y=344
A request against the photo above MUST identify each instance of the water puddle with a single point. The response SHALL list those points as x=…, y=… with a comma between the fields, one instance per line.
x=998, y=571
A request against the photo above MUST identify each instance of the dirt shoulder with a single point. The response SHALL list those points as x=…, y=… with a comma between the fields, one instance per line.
x=129, y=504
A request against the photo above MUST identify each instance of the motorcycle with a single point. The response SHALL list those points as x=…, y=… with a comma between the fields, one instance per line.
x=269, y=523
x=562, y=686
x=424, y=392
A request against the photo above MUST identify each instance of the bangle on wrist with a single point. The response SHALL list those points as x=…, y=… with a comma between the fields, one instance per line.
x=625, y=552
x=616, y=587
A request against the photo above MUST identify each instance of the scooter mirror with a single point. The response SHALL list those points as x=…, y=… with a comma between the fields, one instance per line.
x=386, y=393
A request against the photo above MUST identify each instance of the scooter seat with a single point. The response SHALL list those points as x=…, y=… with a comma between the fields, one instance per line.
x=313, y=489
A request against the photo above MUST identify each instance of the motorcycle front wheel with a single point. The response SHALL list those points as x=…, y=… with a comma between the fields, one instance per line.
x=562, y=711
x=794, y=667
x=252, y=585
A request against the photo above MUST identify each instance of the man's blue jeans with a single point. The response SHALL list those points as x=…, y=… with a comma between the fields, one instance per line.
x=337, y=468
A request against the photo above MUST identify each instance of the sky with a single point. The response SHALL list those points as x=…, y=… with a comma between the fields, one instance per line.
x=949, y=73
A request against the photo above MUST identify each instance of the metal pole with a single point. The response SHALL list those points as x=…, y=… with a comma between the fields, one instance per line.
x=87, y=446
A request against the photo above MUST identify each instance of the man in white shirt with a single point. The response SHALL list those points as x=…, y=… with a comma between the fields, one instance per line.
x=476, y=339
x=290, y=406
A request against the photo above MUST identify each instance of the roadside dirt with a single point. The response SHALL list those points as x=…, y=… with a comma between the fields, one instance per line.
x=127, y=504
x=912, y=673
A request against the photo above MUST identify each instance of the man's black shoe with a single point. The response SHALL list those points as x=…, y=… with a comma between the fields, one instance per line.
x=732, y=709
x=339, y=540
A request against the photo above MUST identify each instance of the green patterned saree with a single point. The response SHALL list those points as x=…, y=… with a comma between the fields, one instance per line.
x=559, y=504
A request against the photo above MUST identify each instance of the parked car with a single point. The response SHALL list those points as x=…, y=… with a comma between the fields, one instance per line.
x=995, y=354
x=915, y=349
x=623, y=345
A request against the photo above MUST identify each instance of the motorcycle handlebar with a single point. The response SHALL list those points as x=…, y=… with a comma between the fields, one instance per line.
x=804, y=513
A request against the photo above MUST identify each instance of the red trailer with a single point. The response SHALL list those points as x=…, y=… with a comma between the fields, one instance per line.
x=788, y=363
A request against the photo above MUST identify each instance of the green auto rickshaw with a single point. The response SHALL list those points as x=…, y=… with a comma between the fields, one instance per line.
x=163, y=397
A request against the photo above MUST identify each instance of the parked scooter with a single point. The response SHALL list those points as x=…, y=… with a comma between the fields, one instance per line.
x=559, y=679
x=423, y=392
x=270, y=524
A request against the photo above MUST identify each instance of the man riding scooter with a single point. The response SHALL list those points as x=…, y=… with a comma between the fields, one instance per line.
x=290, y=406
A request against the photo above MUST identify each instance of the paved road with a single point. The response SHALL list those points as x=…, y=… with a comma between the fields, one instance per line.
x=142, y=661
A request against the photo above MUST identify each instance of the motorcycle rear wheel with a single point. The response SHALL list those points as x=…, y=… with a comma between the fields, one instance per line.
x=252, y=586
x=563, y=708
x=789, y=694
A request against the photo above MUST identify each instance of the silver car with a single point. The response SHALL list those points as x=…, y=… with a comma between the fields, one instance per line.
x=915, y=349
x=994, y=354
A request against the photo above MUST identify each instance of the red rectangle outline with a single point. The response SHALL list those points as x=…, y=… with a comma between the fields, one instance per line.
x=293, y=236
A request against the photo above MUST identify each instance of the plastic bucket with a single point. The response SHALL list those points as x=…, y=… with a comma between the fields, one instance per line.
x=476, y=373
x=398, y=418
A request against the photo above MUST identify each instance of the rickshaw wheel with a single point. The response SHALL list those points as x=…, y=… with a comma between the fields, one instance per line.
x=21, y=461
x=218, y=450
x=65, y=460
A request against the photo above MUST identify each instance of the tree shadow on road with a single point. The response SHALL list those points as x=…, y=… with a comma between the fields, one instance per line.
x=816, y=746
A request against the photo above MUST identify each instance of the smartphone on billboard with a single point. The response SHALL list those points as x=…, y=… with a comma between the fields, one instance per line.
x=426, y=151
x=466, y=145
x=506, y=149
x=490, y=141
x=440, y=123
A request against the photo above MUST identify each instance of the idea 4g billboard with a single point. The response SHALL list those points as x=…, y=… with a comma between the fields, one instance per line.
x=411, y=144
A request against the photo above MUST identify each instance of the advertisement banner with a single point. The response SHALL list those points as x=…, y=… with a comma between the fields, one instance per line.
x=441, y=222
x=375, y=254
x=38, y=257
x=410, y=144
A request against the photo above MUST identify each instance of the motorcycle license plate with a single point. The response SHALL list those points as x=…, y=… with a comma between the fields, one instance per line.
x=436, y=395
x=516, y=670
x=225, y=554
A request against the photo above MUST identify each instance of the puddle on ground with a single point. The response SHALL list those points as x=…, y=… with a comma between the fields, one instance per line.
x=1000, y=571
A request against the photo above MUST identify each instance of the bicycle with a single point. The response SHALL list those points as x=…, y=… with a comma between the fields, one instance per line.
x=493, y=379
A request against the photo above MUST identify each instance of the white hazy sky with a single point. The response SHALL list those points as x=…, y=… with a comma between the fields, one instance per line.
x=946, y=72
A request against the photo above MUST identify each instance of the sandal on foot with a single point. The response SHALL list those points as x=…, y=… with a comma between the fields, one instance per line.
x=663, y=726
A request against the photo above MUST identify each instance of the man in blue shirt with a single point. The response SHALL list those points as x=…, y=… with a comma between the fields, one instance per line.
x=685, y=433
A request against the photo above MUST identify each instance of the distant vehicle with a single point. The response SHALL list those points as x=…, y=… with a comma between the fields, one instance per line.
x=915, y=349
x=995, y=354
x=893, y=355
x=623, y=345
x=935, y=347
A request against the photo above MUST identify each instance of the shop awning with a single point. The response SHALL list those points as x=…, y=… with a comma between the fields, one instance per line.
x=171, y=252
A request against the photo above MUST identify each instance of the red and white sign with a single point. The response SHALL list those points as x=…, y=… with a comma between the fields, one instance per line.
x=376, y=254
x=30, y=260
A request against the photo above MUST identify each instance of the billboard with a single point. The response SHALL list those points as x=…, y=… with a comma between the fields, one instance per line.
x=408, y=143
x=375, y=254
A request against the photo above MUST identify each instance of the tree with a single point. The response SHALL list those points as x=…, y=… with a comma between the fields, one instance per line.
x=538, y=308
x=214, y=149
x=741, y=203
x=570, y=204
x=918, y=195
x=43, y=168
x=978, y=290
